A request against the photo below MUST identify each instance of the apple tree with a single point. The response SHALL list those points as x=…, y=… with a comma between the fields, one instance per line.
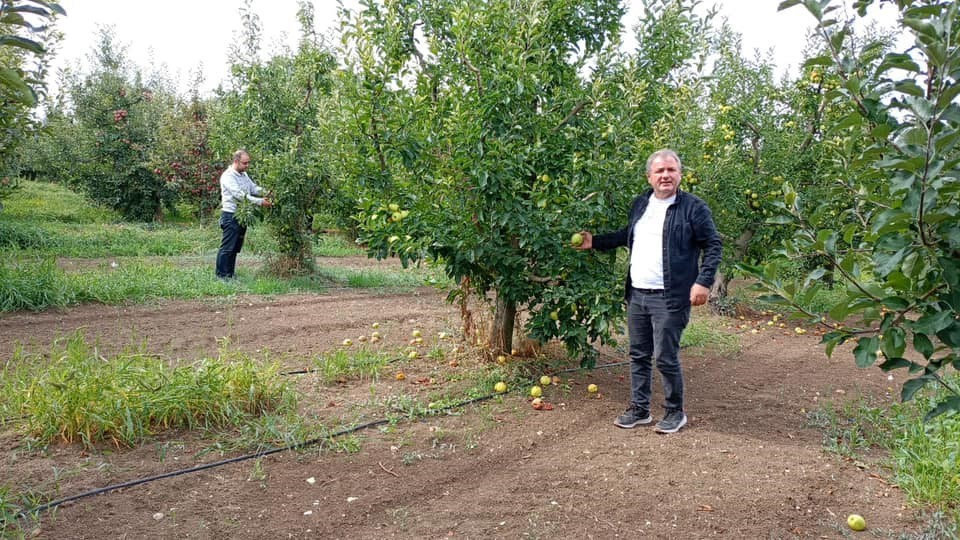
x=185, y=158
x=898, y=250
x=493, y=131
x=273, y=110
x=24, y=49
x=117, y=112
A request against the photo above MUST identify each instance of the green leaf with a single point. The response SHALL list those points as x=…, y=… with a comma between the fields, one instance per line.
x=825, y=60
x=22, y=92
x=950, y=336
x=911, y=387
x=952, y=403
x=865, y=353
x=895, y=363
x=894, y=343
x=898, y=61
x=923, y=345
x=931, y=323
x=22, y=43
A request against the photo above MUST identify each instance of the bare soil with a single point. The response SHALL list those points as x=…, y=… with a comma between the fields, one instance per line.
x=748, y=465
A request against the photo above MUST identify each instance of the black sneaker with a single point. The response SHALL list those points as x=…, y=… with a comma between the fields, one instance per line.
x=633, y=417
x=672, y=422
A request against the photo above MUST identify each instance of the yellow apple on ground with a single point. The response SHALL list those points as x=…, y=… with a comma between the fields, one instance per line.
x=416, y=334
x=400, y=376
x=856, y=522
x=501, y=359
x=412, y=354
x=592, y=388
x=536, y=391
x=545, y=381
x=347, y=342
x=500, y=387
x=537, y=403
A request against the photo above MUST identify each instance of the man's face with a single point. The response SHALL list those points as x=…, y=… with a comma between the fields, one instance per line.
x=664, y=177
x=242, y=164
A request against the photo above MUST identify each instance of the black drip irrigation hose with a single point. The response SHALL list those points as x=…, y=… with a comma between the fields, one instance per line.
x=294, y=446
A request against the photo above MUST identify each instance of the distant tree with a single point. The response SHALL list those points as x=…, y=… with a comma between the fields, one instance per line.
x=119, y=114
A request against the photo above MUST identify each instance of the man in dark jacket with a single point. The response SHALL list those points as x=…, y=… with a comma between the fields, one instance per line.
x=674, y=254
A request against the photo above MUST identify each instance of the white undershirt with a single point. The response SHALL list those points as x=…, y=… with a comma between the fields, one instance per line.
x=646, y=254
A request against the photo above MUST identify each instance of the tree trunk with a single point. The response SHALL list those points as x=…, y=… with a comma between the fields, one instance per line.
x=501, y=329
x=720, y=289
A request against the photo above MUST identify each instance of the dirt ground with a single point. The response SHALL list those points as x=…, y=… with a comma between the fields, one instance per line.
x=747, y=466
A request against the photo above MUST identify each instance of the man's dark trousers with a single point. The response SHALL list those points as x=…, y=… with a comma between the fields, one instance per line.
x=655, y=335
x=230, y=245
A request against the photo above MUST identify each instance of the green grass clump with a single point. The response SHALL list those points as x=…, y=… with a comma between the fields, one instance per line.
x=48, y=202
x=356, y=363
x=706, y=334
x=83, y=397
x=33, y=285
x=331, y=245
x=924, y=456
x=376, y=279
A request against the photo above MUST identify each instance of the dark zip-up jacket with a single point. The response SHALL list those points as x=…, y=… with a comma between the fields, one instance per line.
x=688, y=234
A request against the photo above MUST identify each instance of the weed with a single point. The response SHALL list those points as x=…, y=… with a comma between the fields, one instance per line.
x=359, y=363
x=81, y=396
x=924, y=456
x=706, y=334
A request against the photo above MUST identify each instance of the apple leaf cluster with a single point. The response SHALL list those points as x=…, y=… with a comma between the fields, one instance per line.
x=898, y=251
x=24, y=42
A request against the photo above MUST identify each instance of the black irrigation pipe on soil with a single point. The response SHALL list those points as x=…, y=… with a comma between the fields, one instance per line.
x=237, y=459
x=99, y=491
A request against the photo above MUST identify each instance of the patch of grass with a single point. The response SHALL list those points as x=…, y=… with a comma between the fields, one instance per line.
x=375, y=279
x=924, y=456
x=38, y=284
x=333, y=245
x=12, y=505
x=359, y=363
x=33, y=285
x=49, y=202
x=707, y=335
x=80, y=396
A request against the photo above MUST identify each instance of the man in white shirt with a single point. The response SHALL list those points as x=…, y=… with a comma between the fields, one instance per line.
x=674, y=254
x=235, y=186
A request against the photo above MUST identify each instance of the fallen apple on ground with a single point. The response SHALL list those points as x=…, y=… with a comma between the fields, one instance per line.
x=856, y=522
x=500, y=387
